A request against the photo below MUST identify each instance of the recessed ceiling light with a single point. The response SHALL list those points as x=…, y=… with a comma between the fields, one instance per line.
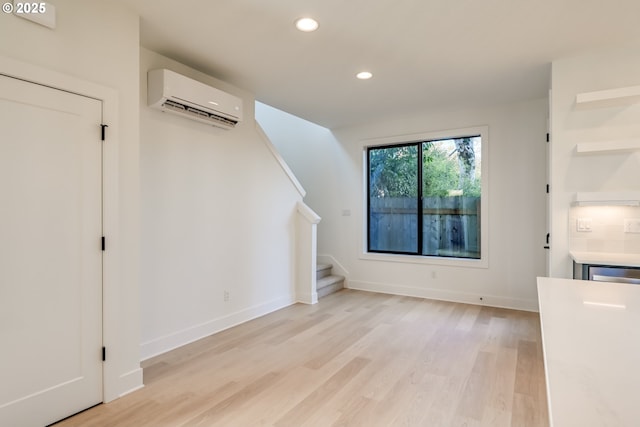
x=364, y=75
x=307, y=24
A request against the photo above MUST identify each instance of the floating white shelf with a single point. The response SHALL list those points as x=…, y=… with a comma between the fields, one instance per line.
x=611, y=146
x=624, y=198
x=620, y=96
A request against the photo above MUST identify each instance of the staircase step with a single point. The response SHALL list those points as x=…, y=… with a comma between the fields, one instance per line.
x=329, y=284
x=323, y=270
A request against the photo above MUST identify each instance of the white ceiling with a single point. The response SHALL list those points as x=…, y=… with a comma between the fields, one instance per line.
x=425, y=54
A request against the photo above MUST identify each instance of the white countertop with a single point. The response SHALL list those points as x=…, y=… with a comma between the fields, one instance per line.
x=606, y=258
x=591, y=352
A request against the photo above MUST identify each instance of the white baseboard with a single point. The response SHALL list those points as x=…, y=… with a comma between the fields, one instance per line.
x=438, y=294
x=172, y=341
x=308, y=298
x=124, y=384
x=131, y=381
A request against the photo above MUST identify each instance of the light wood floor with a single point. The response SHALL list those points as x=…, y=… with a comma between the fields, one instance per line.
x=354, y=359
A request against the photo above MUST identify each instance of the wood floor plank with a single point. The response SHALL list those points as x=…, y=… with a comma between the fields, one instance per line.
x=478, y=387
x=354, y=359
x=416, y=410
x=298, y=414
x=469, y=318
x=234, y=402
x=526, y=382
x=334, y=346
x=280, y=399
x=366, y=383
x=351, y=413
x=500, y=405
x=298, y=327
x=441, y=412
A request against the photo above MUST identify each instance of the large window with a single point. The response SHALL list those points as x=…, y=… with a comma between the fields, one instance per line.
x=424, y=198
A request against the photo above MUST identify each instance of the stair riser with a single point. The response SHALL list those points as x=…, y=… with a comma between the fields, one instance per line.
x=323, y=273
x=330, y=289
x=326, y=282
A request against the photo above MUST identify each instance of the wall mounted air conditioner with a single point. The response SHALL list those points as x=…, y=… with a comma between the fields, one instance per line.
x=174, y=93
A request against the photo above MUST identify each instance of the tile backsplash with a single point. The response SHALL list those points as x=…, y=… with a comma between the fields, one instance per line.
x=606, y=225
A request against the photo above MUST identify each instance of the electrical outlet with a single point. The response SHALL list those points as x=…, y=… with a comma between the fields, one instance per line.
x=632, y=225
x=583, y=224
x=226, y=295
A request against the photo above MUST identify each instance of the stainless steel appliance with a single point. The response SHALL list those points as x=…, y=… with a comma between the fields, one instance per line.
x=606, y=273
x=601, y=273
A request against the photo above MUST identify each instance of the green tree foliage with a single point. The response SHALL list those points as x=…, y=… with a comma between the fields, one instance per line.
x=393, y=171
x=439, y=174
x=466, y=160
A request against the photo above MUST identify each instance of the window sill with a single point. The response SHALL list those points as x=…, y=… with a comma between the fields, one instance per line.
x=426, y=260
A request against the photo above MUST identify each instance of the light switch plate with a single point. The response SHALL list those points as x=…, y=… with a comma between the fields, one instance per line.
x=632, y=225
x=583, y=224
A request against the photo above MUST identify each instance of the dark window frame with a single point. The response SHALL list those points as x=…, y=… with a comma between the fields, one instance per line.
x=419, y=144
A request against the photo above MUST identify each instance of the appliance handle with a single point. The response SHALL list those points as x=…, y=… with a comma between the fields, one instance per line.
x=600, y=278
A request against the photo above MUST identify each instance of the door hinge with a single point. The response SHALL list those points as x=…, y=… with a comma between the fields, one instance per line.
x=547, y=136
x=104, y=131
x=104, y=243
x=104, y=354
x=547, y=240
x=547, y=188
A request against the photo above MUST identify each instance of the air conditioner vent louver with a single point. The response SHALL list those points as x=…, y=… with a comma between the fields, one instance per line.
x=171, y=92
x=171, y=104
x=185, y=109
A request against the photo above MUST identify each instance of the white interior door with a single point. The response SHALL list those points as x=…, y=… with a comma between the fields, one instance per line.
x=50, y=253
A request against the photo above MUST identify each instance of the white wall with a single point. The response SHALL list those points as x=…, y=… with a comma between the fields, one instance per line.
x=218, y=215
x=330, y=168
x=313, y=154
x=98, y=42
x=607, y=229
x=572, y=172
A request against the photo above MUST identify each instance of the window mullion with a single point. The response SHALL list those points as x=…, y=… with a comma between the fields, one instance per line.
x=420, y=218
x=369, y=199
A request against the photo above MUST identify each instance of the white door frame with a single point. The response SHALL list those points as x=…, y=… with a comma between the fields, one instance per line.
x=112, y=387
